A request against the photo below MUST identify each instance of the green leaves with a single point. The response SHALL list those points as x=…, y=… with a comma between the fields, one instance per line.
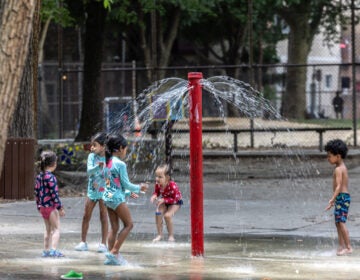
x=107, y=4
x=56, y=11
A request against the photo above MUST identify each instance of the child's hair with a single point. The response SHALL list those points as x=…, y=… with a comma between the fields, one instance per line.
x=167, y=169
x=113, y=143
x=47, y=158
x=99, y=137
x=337, y=147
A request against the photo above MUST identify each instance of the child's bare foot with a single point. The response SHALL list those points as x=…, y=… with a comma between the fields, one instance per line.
x=339, y=249
x=349, y=251
x=157, y=238
x=345, y=251
x=171, y=239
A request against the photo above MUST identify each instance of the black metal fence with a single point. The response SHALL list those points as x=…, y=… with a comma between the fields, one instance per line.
x=123, y=82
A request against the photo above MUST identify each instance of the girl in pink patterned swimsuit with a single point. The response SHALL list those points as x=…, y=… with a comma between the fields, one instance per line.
x=168, y=201
x=48, y=203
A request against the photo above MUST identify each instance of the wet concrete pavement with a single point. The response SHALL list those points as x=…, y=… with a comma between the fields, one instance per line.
x=271, y=226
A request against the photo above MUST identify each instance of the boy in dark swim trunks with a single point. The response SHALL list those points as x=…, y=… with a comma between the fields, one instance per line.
x=336, y=153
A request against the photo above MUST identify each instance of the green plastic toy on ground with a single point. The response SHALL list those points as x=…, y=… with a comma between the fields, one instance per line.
x=72, y=275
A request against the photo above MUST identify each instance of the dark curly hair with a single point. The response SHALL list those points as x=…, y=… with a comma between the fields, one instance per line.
x=337, y=147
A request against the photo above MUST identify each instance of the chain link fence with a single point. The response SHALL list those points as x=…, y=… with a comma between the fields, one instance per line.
x=121, y=82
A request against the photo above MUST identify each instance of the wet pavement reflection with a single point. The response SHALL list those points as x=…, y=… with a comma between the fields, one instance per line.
x=252, y=258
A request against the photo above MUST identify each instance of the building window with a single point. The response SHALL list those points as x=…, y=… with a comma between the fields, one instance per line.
x=345, y=82
x=328, y=81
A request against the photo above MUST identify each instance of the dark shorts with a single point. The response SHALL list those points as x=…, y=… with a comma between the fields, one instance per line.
x=180, y=202
x=46, y=211
x=341, y=209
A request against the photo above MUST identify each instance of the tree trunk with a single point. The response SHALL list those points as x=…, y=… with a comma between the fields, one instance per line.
x=16, y=18
x=166, y=43
x=45, y=115
x=92, y=110
x=23, y=122
x=294, y=97
x=158, y=52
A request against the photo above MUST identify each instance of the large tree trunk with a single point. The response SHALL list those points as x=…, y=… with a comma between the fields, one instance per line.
x=23, y=122
x=92, y=111
x=303, y=20
x=294, y=98
x=15, y=28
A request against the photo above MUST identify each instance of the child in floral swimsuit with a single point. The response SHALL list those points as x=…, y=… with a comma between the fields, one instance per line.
x=96, y=187
x=48, y=203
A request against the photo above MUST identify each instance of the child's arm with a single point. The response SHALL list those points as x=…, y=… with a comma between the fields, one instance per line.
x=337, y=184
x=155, y=194
x=37, y=193
x=54, y=191
x=92, y=167
x=124, y=179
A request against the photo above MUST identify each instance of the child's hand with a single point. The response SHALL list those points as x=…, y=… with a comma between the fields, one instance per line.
x=329, y=206
x=62, y=212
x=153, y=198
x=159, y=202
x=144, y=187
x=134, y=195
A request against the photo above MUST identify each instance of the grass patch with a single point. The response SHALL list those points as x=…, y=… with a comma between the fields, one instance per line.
x=328, y=122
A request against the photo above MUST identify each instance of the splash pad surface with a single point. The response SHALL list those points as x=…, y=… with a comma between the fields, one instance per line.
x=227, y=258
x=256, y=228
x=269, y=228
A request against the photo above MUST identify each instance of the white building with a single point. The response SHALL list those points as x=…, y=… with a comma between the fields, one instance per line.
x=322, y=74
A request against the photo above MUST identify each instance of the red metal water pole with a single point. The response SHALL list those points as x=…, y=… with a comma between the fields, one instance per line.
x=196, y=164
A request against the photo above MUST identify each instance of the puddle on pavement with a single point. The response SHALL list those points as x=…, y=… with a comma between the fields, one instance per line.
x=251, y=258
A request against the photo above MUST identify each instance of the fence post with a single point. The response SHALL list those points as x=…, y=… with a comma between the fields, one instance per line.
x=235, y=143
x=320, y=131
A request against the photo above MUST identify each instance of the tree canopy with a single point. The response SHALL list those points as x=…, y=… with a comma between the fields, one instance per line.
x=222, y=32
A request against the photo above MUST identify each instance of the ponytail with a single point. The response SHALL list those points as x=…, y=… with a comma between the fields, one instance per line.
x=113, y=143
x=47, y=159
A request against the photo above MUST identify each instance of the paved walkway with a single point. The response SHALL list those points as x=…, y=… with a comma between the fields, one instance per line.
x=268, y=226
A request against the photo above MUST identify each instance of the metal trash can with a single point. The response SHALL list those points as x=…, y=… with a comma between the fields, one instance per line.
x=18, y=175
